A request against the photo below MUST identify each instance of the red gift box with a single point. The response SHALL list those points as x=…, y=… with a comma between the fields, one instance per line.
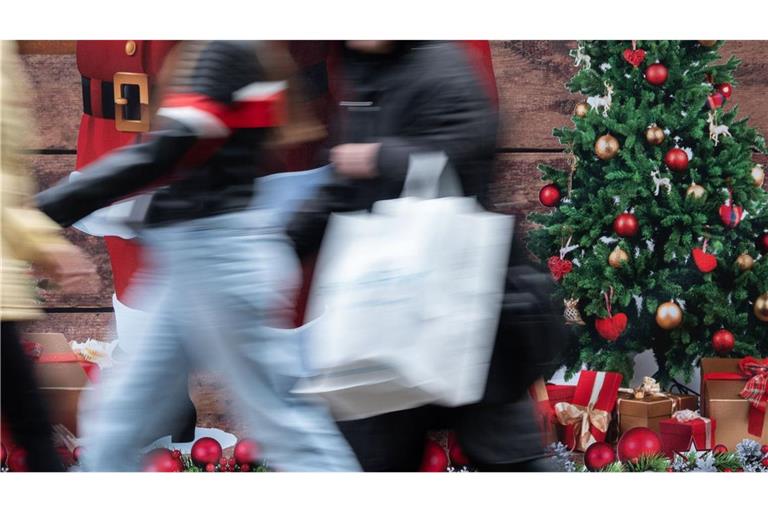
x=560, y=393
x=682, y=432
x=587, y=415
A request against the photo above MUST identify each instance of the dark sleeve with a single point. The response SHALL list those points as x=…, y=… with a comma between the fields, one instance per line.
x=119, y=174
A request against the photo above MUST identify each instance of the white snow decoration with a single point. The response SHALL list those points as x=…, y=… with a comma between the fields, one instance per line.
x=638, y=303
x=660, y=182
x=616, y=199
x=651, y=245
x=567, y=200
x=689, y=152
x=627, y=75
x=605, y=66
x=716, y=130
x=667, y=131
x=576, y=262
x=637, y=252
x=677, y=139
x=684, y=113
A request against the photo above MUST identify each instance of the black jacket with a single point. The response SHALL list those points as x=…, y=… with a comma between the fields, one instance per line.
x=425, y=96
x=208, y=168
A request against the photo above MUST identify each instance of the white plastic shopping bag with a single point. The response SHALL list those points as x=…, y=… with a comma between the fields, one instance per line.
x=406, y=299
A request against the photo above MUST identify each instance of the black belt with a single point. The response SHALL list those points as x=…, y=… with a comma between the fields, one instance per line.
x=102, y=104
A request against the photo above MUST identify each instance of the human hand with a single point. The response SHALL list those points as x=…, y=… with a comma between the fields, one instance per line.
x=357, y=161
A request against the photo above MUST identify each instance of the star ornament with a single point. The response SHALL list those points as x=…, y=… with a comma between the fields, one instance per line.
x=693, y=451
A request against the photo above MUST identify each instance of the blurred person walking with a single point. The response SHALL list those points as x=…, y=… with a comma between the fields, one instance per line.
x=28, y=237
x=402, y=98
x=230, y=273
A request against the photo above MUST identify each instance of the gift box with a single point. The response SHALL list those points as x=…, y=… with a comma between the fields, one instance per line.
x=686, y=430
x=545, y=413
x=560, y=393
x=61, y=377
x=587, y=416
x=723, y=385
x=649, y=411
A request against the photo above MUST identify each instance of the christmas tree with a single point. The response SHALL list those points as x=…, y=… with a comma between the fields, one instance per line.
x=658, y=232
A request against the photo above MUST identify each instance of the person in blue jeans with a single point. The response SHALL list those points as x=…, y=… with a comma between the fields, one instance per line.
x=224, y=275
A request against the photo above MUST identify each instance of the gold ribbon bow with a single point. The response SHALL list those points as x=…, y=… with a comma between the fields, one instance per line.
x=582, y=417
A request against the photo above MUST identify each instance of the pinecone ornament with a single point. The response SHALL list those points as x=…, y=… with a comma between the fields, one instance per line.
x=571, y=313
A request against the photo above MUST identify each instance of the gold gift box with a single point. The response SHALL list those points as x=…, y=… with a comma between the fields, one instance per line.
x=721, y=402
x=650, y=410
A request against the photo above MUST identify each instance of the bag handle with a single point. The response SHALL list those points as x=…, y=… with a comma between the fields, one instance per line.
x=429, y=176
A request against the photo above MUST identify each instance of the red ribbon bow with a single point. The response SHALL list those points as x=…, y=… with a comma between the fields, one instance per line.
x=755, y=391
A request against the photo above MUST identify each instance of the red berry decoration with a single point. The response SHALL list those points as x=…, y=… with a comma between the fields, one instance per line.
x=656, y=74
x=435, y=459
x=725, y=89
x=549, y=195
x=634, y=57
x=764, y=449
x=762, y=243
x=559, y=267
x=247, y=451
x=206, y=450
x=704, y=261
x=720, y=449
x=210, y=467
x=677, y=160
x=160, y=460
x=731, y=215
x=611, y=328
x=245, y=468
x=723, y=341
x=17, y=460
x=637, y=442
x=626, y=225
x=599, y=455
x=764, y=462
x=715, y=100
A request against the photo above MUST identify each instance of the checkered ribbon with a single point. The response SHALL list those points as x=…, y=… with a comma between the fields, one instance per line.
x=755, y=391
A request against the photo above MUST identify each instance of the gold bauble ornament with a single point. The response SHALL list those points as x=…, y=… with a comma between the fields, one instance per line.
x=606, y=147
x=745, y=262
x=758, y=175
x=581, y=109
x=654, y=135
x=761, y=307
x=707, y=43
x=618, y=257
x=669, y=315
x=696, y=192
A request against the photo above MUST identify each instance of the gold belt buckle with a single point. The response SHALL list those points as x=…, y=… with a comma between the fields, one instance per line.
x=131, y=125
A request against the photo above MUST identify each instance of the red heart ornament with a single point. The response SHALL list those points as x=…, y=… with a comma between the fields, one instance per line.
x=559, y=267
x=704, y=261
x=611, y=328
x=634, y=57
x=731, y=215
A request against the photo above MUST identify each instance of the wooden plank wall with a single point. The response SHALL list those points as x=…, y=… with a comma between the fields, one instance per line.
x=531, y=78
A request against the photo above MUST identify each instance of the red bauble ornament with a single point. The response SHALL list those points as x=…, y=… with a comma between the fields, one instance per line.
x=206, y=450
x=160, y=460
x=626, y=225
x=704, y=261
x=222, y=461
x=731, y=215
x=656, y=74
x=549, y=195
x=725, y=89
x=637, y=442
x=762, y=243
x=764, y=449
x=677, y=160
x=723, y=341
x=634, y=57
x=612, y=327
x=719, y=449
x=210, y=467
x=715, y=100
x=435, y=459
x=17, y=460
x=764, y=462
x=455, y=453
x=3, y=454
x=559, y=267
x=247, y=451
x=599, y=455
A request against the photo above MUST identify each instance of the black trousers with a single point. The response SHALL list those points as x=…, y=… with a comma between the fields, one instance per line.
x=22, y=405
x=495, y=437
